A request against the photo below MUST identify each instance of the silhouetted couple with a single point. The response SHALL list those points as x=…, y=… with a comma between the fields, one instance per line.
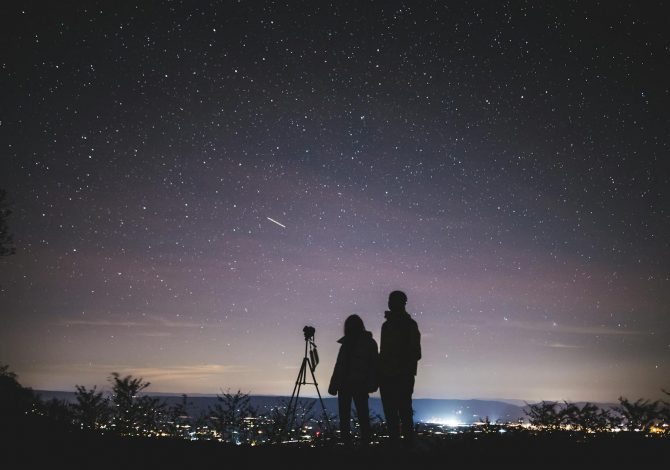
x=360, y=370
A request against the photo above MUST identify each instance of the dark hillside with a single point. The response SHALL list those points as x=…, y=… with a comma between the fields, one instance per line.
x=35, y=442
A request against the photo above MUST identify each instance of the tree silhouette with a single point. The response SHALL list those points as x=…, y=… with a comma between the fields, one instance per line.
x=202, y=425
x=588, y=418
x=326, y=429
x=132, y=413
x=178, y=419
x=58, y=411
x=639, y=415
x=91, y=410
x=272, y=427
x=228, y=416
x=665, y=411
x=304, y=413
x=546, y=414
x=6, y=239
x=16, y=400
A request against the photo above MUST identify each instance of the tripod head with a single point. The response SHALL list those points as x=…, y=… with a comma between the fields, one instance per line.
x=309, y=332
x=310, y=347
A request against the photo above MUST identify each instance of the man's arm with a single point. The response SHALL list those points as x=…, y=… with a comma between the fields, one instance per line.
x=415, y=341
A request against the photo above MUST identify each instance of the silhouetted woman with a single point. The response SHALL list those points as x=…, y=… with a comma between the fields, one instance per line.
x=354, y=376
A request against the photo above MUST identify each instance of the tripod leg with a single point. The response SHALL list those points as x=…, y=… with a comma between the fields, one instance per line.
x=296, y=387
x=293, y=402
x=323, y=407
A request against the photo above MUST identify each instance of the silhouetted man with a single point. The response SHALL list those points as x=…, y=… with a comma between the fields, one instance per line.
x=400, y=350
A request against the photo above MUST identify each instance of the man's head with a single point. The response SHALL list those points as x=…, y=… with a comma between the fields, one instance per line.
x=397, y=301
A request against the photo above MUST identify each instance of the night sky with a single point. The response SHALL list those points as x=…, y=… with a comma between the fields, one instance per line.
x=194, y=182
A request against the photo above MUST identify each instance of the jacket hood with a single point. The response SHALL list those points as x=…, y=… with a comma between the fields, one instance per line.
x=364, y=334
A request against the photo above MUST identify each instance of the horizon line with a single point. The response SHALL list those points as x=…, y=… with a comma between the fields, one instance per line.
x=376, y=396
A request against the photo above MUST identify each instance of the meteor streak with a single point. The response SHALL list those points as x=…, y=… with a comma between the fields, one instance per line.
x=273, y=220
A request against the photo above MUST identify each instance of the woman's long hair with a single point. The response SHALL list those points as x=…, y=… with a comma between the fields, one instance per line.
x=353, y=325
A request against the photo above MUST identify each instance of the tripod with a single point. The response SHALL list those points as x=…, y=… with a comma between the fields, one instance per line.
x=310, y=360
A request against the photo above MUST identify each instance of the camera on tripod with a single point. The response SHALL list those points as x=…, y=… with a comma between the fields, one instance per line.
x=310, y=346
x=309, y=332
x=309, y=363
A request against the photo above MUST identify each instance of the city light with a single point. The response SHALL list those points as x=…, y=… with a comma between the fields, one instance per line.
x=449, y=421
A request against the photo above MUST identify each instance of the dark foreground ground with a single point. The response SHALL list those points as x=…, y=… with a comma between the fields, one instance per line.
x=45, y=447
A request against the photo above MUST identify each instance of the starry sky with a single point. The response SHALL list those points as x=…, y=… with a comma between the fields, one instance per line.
x=193, y=182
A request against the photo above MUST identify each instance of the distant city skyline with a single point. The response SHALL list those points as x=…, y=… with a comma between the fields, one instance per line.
x=444, y=411
x=192, y=184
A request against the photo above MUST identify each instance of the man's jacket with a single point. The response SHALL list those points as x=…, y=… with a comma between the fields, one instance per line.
x=400, y=348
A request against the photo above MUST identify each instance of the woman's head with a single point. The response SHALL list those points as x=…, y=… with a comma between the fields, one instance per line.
x=353, y=325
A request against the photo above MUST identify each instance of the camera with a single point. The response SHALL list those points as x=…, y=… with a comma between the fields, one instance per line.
x=309, y=332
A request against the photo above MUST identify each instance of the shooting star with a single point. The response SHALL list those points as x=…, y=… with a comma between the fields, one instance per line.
x=273, y=220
